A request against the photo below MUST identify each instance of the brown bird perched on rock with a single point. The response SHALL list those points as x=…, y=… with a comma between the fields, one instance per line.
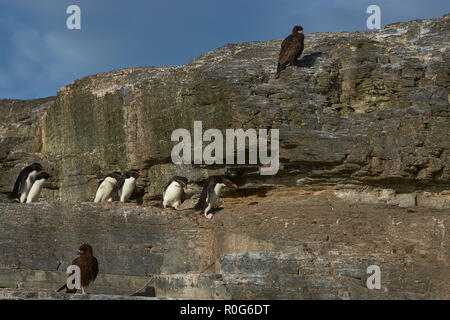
x=291, y=49
x=88, y=267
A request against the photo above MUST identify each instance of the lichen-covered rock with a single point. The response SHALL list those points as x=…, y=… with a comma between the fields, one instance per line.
x=364, y=123
x=21, y=140
x=288, y=245
x=360, y=109
x=36, y=295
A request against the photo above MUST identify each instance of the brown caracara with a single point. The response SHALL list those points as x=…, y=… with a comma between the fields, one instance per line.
x=291, y=49
x=88, y=266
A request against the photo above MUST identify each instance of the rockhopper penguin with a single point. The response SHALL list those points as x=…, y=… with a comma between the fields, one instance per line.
x=211, y=192
x=173, y=194
x=107, y=187
x=126, y=185
x=25, y=181
x=35, y=191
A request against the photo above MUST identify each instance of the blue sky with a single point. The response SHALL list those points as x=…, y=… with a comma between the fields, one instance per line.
x=38, y=54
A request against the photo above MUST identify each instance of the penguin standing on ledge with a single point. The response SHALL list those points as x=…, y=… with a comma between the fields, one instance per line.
x=25, y=181
x=211, y=192
x=127, y=185
x=107, y=187
x=173, y=194
x=35, y=191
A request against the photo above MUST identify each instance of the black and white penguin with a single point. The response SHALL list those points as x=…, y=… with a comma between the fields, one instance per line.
x=211, y=192
x=35, y=191
x=107, y=187
x=25, y=181
x=126, y=185
x=173, y=194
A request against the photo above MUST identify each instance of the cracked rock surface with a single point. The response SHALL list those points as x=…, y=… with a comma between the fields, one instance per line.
x=360, y=110
x=364, y=174
x=287, y=245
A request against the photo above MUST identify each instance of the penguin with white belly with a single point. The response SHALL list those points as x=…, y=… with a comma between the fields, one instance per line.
x=173, y=194
x=126, y=185
x=35, y=191
x=211, y=192
x=25, y=181
x=107, y=187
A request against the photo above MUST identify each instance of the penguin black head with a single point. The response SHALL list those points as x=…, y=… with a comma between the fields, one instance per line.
x=227, y=182
x=36, y=167
x=297, y=30
x=134, y=173
x=182, y=181
x=43, y=175
x=116, y=175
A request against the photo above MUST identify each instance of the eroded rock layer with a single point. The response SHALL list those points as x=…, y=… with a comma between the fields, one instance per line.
x=288, y=245
x=361, y=110
x=364, y=174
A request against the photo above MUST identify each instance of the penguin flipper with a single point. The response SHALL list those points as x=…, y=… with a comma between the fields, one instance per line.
x=100, y=182
x=116, y=195
x=120, y=182
x=183, y=196
x=19, y=185
x=201, y=203
x=210, y=192
x=118, y=190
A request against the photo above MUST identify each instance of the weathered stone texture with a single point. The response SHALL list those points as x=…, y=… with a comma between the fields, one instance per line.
x=364, y=122
x=360, y=109
x=36, y=295
x=285, y=246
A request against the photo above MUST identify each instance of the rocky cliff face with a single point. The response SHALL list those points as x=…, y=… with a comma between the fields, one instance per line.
x=288, y=245
x=363, y=117
x=360, y=109
x=21, y=124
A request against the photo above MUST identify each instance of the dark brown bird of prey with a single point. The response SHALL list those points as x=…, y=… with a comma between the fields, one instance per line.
x=88, y=266
x=291, y=49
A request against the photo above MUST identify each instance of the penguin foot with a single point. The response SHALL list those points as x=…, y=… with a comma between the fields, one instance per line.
x=209, y=215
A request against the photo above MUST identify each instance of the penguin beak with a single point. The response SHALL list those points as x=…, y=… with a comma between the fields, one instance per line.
x=235, y=186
